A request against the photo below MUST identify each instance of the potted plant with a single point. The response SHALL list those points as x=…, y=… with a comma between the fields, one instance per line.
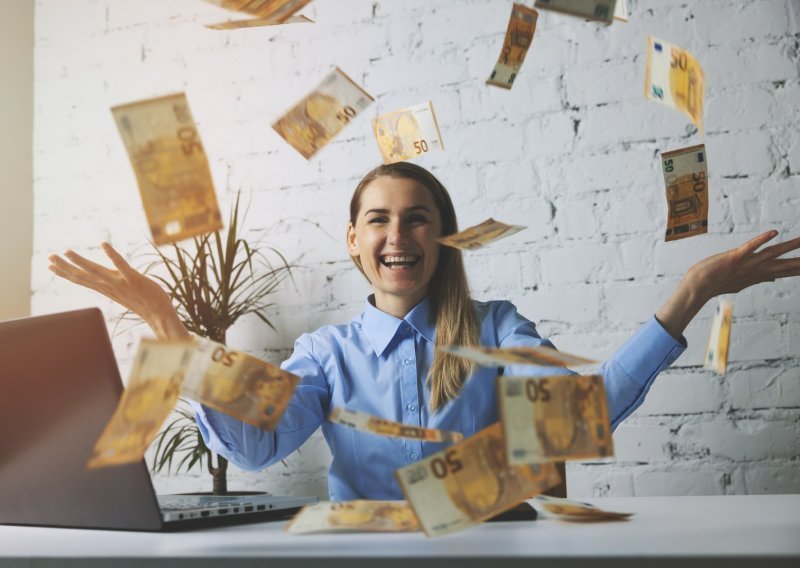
x=212, y=282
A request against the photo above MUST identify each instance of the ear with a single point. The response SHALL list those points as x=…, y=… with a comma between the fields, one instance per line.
x=352, y=244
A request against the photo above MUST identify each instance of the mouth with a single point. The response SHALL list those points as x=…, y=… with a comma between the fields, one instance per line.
x=399, y=262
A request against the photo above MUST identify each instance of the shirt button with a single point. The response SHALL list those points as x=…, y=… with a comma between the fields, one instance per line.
x=414, y=456
x=407, y=362
x=411, y=407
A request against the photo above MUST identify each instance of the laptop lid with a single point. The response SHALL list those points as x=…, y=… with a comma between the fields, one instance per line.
x=59, y=386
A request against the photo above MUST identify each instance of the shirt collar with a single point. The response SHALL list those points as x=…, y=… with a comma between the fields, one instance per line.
x=381, y=327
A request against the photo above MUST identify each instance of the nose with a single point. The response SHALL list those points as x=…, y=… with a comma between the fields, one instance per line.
x=398, y=234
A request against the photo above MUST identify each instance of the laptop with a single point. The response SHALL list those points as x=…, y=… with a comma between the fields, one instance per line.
x=59, y=386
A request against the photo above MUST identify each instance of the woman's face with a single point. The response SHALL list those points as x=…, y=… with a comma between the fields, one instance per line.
x=394, y=236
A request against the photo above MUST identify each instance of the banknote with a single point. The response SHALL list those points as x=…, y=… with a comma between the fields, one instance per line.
x=602, y=10
x=350, y=516
x=238, y=384
x=171, y=167
x=470, y=482
x=554, y=418
x=314, y=121
x=277, y=11
x=621, y=10
x=673, y=77
x=151, y=394
x=407, y=133
x=259, y=23
x=577, y=511
x=367, y=423
x=500, y=357
x=519, y=35
x=719, y=338
x=686, y=179
x=478, y=236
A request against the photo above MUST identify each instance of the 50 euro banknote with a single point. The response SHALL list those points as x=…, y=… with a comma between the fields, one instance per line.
x=686, y=179
x=674, y=78
x=276, y=11
x=575, y=511
x=541, y=356
x=407, y=133
x=322, y=114
x=719, y=338
x=519, y=36
x=478, y=236
x=258, y=23
x=171, y=167
x=350, y=516
x=603, y=10
x=554, y=418
x=364, y=422
x=470, y=482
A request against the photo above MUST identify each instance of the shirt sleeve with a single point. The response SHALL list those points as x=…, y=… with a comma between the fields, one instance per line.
x=253, y=449
x=628, y=374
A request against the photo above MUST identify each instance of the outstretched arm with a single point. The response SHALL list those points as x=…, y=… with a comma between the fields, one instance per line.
x=126, y=286
x=725, y=273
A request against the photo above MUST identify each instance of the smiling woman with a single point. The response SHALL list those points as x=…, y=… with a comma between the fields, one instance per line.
x=384, y=362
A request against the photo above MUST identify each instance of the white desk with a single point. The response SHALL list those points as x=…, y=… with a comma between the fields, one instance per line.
x=685, y=531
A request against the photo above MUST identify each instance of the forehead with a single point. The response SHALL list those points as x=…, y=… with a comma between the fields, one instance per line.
x=395, y=194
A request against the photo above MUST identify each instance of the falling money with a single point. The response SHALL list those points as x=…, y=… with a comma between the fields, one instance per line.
x=470, y=482
x=365, y=423
x=171, y=167
x=602, y=10
x=686, y=178
x=274, y=11
x=719, y=339
x=152, y=391
x=576, y=511
x=621, y=10
x=360, y=515
x=258, y=23
x=519, y=35
x=542, y=356
x=315, y=120
x=481, y=235
x=554, y=418
x=674, y=78
x=407, y=133
x=237, y=384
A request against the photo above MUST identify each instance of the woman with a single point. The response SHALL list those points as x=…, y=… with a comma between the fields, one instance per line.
x=384, y=362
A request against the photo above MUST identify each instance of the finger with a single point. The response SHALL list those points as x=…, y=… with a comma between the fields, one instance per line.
x=116, y=258
x=785, y=267
x=88, y=265
x=780, y=249
x=753, y=244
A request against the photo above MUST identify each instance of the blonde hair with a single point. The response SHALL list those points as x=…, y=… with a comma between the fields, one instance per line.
x=450, y=303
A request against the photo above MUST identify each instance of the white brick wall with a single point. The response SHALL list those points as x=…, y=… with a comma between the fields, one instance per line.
x=571, y=151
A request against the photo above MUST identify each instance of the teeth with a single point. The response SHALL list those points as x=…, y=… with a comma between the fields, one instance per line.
x=394, y=259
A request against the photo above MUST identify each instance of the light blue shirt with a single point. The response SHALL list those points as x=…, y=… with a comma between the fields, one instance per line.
x=378, y=364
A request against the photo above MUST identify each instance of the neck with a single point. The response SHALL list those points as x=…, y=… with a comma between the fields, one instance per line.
x=397, y=306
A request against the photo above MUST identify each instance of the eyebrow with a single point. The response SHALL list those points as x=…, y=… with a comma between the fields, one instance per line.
x=385, y=211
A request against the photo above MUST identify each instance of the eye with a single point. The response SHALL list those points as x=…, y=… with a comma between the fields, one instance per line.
x=417, y=219
x=378, y=219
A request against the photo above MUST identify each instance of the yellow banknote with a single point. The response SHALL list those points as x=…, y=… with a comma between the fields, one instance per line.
x=478, y=236
x=686, y=179
x=352, y=516
x=719, y=338
x=238, y=384
x=574, y=511
x=407, y=133
x=621, y=10
x=152, y=391
x=314, y=121
x=470, y=482
x=554, y=418
x=366, y=423
x=276, y=11
x=258, y=23
x=602, y=10
x=171, y=167
x=542, y=356
x=519, y=35
x=673, y=77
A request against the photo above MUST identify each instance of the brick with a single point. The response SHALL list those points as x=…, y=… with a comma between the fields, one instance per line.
x=598, y=481
x=763, y=388
x=677, y=392
x=576, y=305
x=641, y=443
x=771, y=478
x=699, y=481
x=743, y=440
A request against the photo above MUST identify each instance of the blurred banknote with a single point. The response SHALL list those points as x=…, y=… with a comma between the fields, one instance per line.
x=314, y=121
x=576, y=511
x=686, y=178
x=237, y=384
x=367, y=423
x=258, y=23
x=171, y=167
x=350, y=516
x=538, y=356
x=470, y=482
x=673, y=77
x=554, y=418
x=407, y=133
x=719, y=338
x=602, y=10
x=276, y=11
x=621, y=10
x=478, y=236
x=519, y=36
x=150, y=396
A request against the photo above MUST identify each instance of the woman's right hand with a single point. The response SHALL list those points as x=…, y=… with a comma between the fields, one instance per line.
x=126, y=286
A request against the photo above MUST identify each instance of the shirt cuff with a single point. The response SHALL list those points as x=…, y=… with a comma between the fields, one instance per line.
x=205, y=418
